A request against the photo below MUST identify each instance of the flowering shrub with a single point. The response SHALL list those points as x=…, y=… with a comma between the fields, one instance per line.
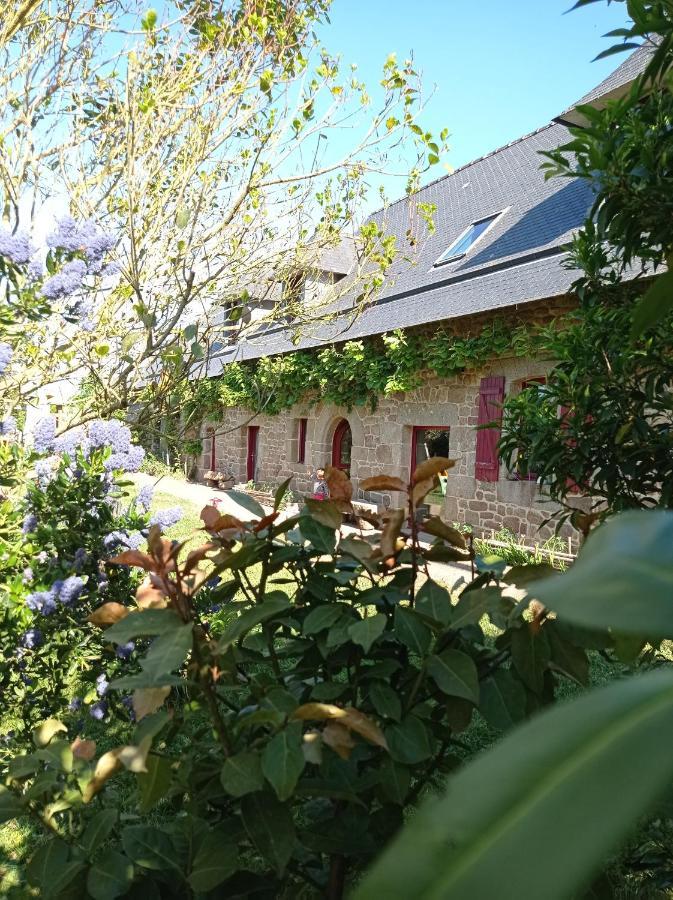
x=298, y=694
x=71, y=516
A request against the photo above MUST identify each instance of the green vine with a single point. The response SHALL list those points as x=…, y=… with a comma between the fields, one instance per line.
x=358, y=373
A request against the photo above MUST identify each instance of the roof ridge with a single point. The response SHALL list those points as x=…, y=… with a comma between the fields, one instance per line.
x=472, y=162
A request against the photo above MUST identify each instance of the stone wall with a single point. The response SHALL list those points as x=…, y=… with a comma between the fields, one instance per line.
x=382, y=440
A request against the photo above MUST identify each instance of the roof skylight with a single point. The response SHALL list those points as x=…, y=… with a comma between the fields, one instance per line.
x=467, y=239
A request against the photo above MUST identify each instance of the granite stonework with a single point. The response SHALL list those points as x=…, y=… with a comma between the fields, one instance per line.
x=382, y=443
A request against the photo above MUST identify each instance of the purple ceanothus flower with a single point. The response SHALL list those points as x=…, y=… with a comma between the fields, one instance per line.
x=80, y=559
x=6, y=353
x=71, y=441
x=113, y=540
x=98, y=710
x=35, y=268
x=43, y=602
x=29, y=523
x=7, y=426
x=75, y=704
x=85, y=237
x=15, y=247
x=66, y=236
x=45, y=470
x=31, y=639
x=44, y=433
x=123, y=651
x=134, y=540
x=65, y=282
x=144, y=498
x=71, y=589
x=125, y=462
x=165, y=518
x=102, y=684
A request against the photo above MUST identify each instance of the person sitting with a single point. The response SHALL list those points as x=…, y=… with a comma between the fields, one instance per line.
x=320, y=488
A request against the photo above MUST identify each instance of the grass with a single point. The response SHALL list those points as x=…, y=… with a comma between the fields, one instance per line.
x=189, y=527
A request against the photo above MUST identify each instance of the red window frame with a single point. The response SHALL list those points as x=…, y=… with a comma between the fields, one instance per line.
x=211, y=436
x=251, y=461
x=301, y=441
x=342, y=428
x=527, y=382
x=414, y=431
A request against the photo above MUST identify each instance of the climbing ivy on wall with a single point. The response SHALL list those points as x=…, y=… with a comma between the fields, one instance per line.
x=358, y=373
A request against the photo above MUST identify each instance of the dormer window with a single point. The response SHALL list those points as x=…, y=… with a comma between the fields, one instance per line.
x=467, y=239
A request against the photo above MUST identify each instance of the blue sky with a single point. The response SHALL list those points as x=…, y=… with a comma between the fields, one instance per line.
x=501, y=67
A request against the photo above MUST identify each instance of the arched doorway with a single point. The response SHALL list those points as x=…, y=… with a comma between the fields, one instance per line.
x=342, y=445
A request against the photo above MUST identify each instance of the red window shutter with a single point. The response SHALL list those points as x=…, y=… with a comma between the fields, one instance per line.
x=491, y=396
x=301, y=441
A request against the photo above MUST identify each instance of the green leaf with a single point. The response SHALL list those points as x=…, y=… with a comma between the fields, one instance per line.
x=242, y=774
x=409, y=742
x=322, y=617
x=149, y=847
x=547, y=804
x=110, y=876
x=395, y=781
x=283, y=760
x=412, y=631
x=567, y=657
x=154, y=784
x=148, y=622
x=366, y=631
x=215, y=861
x=326, y=512
x=166, y=653
x=10, y=805
x=247, y=502
x=434, y=601
x=274, y=603
x=530, y=655
x=269, y=825
x=279, y=700
x=50, y=868
x=385, y=701
x=455, y=674
x=622, y=579
x=281, y=491
x=24, y=765
x=98, y=830
x=475, y=604
x=321, y=537
x=502, y=700
x=58, y=754
x=182, y=221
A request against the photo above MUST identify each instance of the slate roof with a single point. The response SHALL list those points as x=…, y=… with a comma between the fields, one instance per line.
x=517, y=261
x=339, y=259
x=615, y=85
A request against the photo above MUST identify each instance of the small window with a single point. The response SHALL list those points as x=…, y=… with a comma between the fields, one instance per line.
x=521, y=472
x=301, y=440
x=467, y=239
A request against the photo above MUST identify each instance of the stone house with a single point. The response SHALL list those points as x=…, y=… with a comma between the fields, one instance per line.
x=496, y=254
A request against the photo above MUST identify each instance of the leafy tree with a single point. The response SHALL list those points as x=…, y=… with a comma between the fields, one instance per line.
x=603, y=422
x=200, y=141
